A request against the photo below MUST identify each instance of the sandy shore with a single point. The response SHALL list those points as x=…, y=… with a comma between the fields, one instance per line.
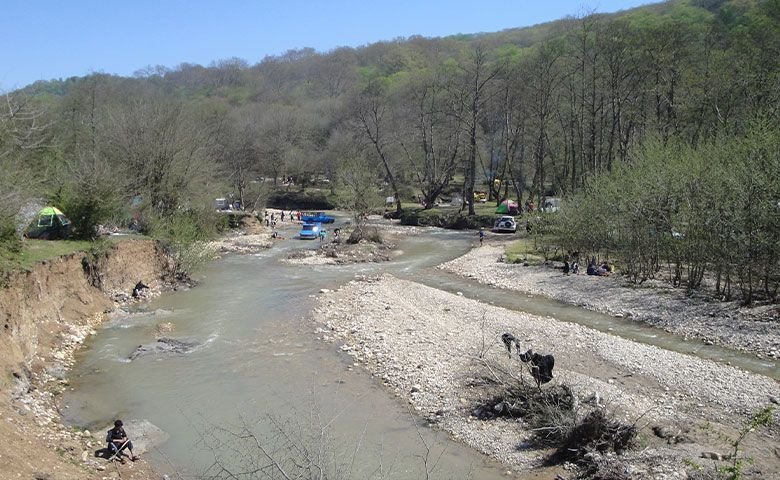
x=431, y=348
x=754, y=330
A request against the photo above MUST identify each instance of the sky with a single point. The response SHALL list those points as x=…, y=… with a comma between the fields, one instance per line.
x=48, y=39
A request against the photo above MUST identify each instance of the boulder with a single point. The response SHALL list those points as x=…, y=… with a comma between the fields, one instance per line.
x=164, y=345
x=143, y=433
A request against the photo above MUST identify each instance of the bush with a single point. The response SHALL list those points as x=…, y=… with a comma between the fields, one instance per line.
x=184, y=234
x=10, y=245
x=596, y=432
x=446, y=219
x=9, y=240
x=552, y=416
x=88, y=206
x=369, y=234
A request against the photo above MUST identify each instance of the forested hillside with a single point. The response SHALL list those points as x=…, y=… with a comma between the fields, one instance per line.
x=524, y=113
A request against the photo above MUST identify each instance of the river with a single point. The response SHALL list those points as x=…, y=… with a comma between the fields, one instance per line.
x=259, y=362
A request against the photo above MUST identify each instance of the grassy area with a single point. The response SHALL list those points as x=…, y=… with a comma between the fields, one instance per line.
x=534, y=250
x=36, y=251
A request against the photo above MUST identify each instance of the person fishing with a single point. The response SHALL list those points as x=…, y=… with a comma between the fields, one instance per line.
x=118, y=442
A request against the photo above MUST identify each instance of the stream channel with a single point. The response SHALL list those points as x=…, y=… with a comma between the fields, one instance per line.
x=257, y=360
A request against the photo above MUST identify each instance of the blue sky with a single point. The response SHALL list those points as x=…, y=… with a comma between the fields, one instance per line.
x=45, y=39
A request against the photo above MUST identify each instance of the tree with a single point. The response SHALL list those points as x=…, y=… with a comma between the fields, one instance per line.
x=429, y=136
x=86, y=183
x=165, y=152
x=358, y=175
x=23, y=133
x=371, y=114
x=470, y=88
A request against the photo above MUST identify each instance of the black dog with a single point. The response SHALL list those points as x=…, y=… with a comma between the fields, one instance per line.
x=541, y=366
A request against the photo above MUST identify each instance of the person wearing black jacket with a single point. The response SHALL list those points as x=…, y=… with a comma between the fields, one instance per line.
x=118, y=442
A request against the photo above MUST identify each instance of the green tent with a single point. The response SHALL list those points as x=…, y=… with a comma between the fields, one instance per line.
x=508, y=207
x=50, y=224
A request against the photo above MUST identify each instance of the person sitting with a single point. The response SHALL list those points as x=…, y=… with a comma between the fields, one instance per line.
x=140, y=290
x=575, y=268
x=566, y=267
x=592, y=269
x=118, y=442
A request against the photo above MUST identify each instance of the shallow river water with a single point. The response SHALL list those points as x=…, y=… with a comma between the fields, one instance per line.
x=259, y=357
x=259, y=361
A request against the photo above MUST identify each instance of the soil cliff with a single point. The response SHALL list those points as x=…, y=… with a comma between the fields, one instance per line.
x=45, y=314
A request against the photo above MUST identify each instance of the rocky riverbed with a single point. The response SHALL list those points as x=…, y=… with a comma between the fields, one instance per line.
x=442, y=353
x=754, y=330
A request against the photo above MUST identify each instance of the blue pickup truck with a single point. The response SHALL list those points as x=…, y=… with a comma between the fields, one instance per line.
x=318, y=217
x=310, y=231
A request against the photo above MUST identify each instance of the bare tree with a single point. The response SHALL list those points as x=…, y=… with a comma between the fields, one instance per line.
x=23, y=131
x=471, y=94
x=165, y=151
x=430, y=137
x=371, y=113
x=359, y=175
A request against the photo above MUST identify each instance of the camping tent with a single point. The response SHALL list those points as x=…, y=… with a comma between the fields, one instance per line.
x=50, y=224
x=508, y=207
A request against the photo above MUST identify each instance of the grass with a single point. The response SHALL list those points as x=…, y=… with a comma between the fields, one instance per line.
x=37, y=251
x=534, y=250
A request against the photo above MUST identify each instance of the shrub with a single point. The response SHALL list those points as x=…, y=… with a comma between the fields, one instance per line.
x=88, y=206
x=184, y=234
x=369, y=234
x=445, y=219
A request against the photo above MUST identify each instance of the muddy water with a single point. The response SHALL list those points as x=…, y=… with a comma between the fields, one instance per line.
x=258, y=356
x=258, y=360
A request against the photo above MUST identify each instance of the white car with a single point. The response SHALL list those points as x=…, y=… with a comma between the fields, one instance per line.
x=551, y=205
x=505, y=224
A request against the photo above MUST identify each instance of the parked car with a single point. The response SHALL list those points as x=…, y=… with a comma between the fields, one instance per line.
x=221, y=203
x=318, y=217
x=551, y=205
x=309, y=231
x=505, y=224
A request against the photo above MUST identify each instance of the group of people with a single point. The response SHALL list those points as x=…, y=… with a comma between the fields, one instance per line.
x=270, y=220
x=594, y=268
x=601, y=270
x=574, y=267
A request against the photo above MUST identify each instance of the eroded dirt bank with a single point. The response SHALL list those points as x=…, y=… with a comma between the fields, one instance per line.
x=433, y=348
x=46, y=314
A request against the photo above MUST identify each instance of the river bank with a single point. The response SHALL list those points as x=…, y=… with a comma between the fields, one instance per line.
x=47, y=314
x=432, y=349
x=753, y=330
